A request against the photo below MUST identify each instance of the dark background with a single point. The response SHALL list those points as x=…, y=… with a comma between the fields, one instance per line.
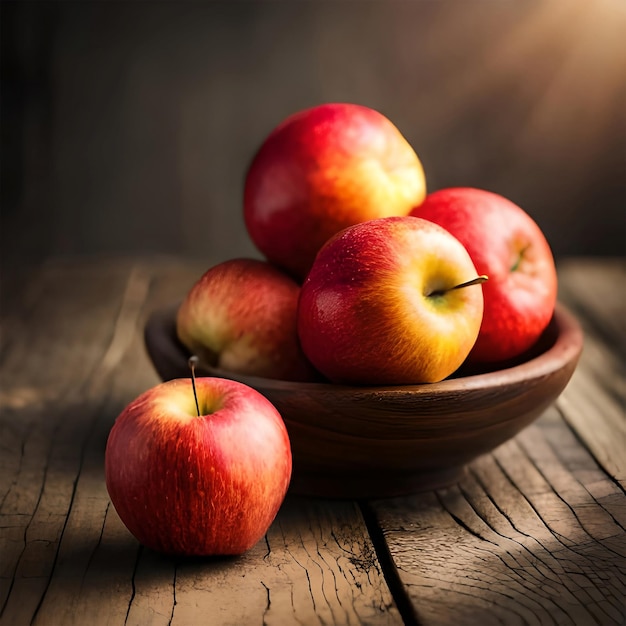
x=127, y=127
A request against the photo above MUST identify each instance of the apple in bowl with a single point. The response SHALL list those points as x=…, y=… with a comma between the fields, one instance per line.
x=240, y=316
x=505, y=243
x=321, y=170
x=198, y=478
x=390, y=301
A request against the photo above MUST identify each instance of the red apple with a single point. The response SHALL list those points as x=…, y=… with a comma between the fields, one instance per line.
x=198, y=485
x=381, y=304
x=240, y=316
x=321, y=170
x=506, y=244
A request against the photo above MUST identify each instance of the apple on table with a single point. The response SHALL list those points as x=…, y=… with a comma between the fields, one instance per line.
x=390, y=301
x=198, y=479
x=240, y=316
x=506, y=244
x=323, y=169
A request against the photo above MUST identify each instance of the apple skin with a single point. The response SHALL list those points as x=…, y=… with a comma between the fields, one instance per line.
x=321, y=170
x=197, y=486
x=240, y=316
x=367, y=312
x=506, y=244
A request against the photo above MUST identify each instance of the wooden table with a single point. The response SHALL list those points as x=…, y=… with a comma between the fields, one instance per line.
x=534, y=533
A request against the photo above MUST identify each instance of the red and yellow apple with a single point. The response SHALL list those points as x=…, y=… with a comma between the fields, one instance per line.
x=240, y=316
x=387, y=302
x=321, y=170
x=505, y=243
x=192, y=484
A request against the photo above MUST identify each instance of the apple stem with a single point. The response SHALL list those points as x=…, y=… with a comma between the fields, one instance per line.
x=475, y=281
x=193, y=361
x=520, y=256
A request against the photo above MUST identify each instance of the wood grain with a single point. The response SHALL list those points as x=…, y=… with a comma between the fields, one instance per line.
x=316, y=566
x=69, y=399
x=595, y=291
x=513, y=543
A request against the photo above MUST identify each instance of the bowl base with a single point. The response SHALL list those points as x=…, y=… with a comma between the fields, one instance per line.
x=369, y=486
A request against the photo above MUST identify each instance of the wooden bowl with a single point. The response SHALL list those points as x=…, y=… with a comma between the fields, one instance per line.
x=370, y=442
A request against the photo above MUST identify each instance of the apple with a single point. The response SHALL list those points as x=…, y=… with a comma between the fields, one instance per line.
x=240, y=316
x=321, y=170
x=390, y=301
x=198, y=481
x=506, y=244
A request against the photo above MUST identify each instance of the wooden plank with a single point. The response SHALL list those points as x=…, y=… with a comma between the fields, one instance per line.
x=316, y=566
x=595, y=288
x=64, y=339
x=534, y=534
x=594, y=402
x=66, y=556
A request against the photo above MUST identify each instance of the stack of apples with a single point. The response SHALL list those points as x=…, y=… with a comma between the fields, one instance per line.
x=367, y=280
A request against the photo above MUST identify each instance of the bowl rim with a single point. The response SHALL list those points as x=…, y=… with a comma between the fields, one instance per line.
x=567, y=346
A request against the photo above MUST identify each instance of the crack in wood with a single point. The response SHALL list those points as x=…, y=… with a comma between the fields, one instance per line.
x=388, y=566
x=513, y=574
x=572, y=510
x=268, y=603
x=460, y=522
x=533, y=559
x=132, y=583
x=171, y=618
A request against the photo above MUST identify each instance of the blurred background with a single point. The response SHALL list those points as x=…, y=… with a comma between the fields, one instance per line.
x=127, y=127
